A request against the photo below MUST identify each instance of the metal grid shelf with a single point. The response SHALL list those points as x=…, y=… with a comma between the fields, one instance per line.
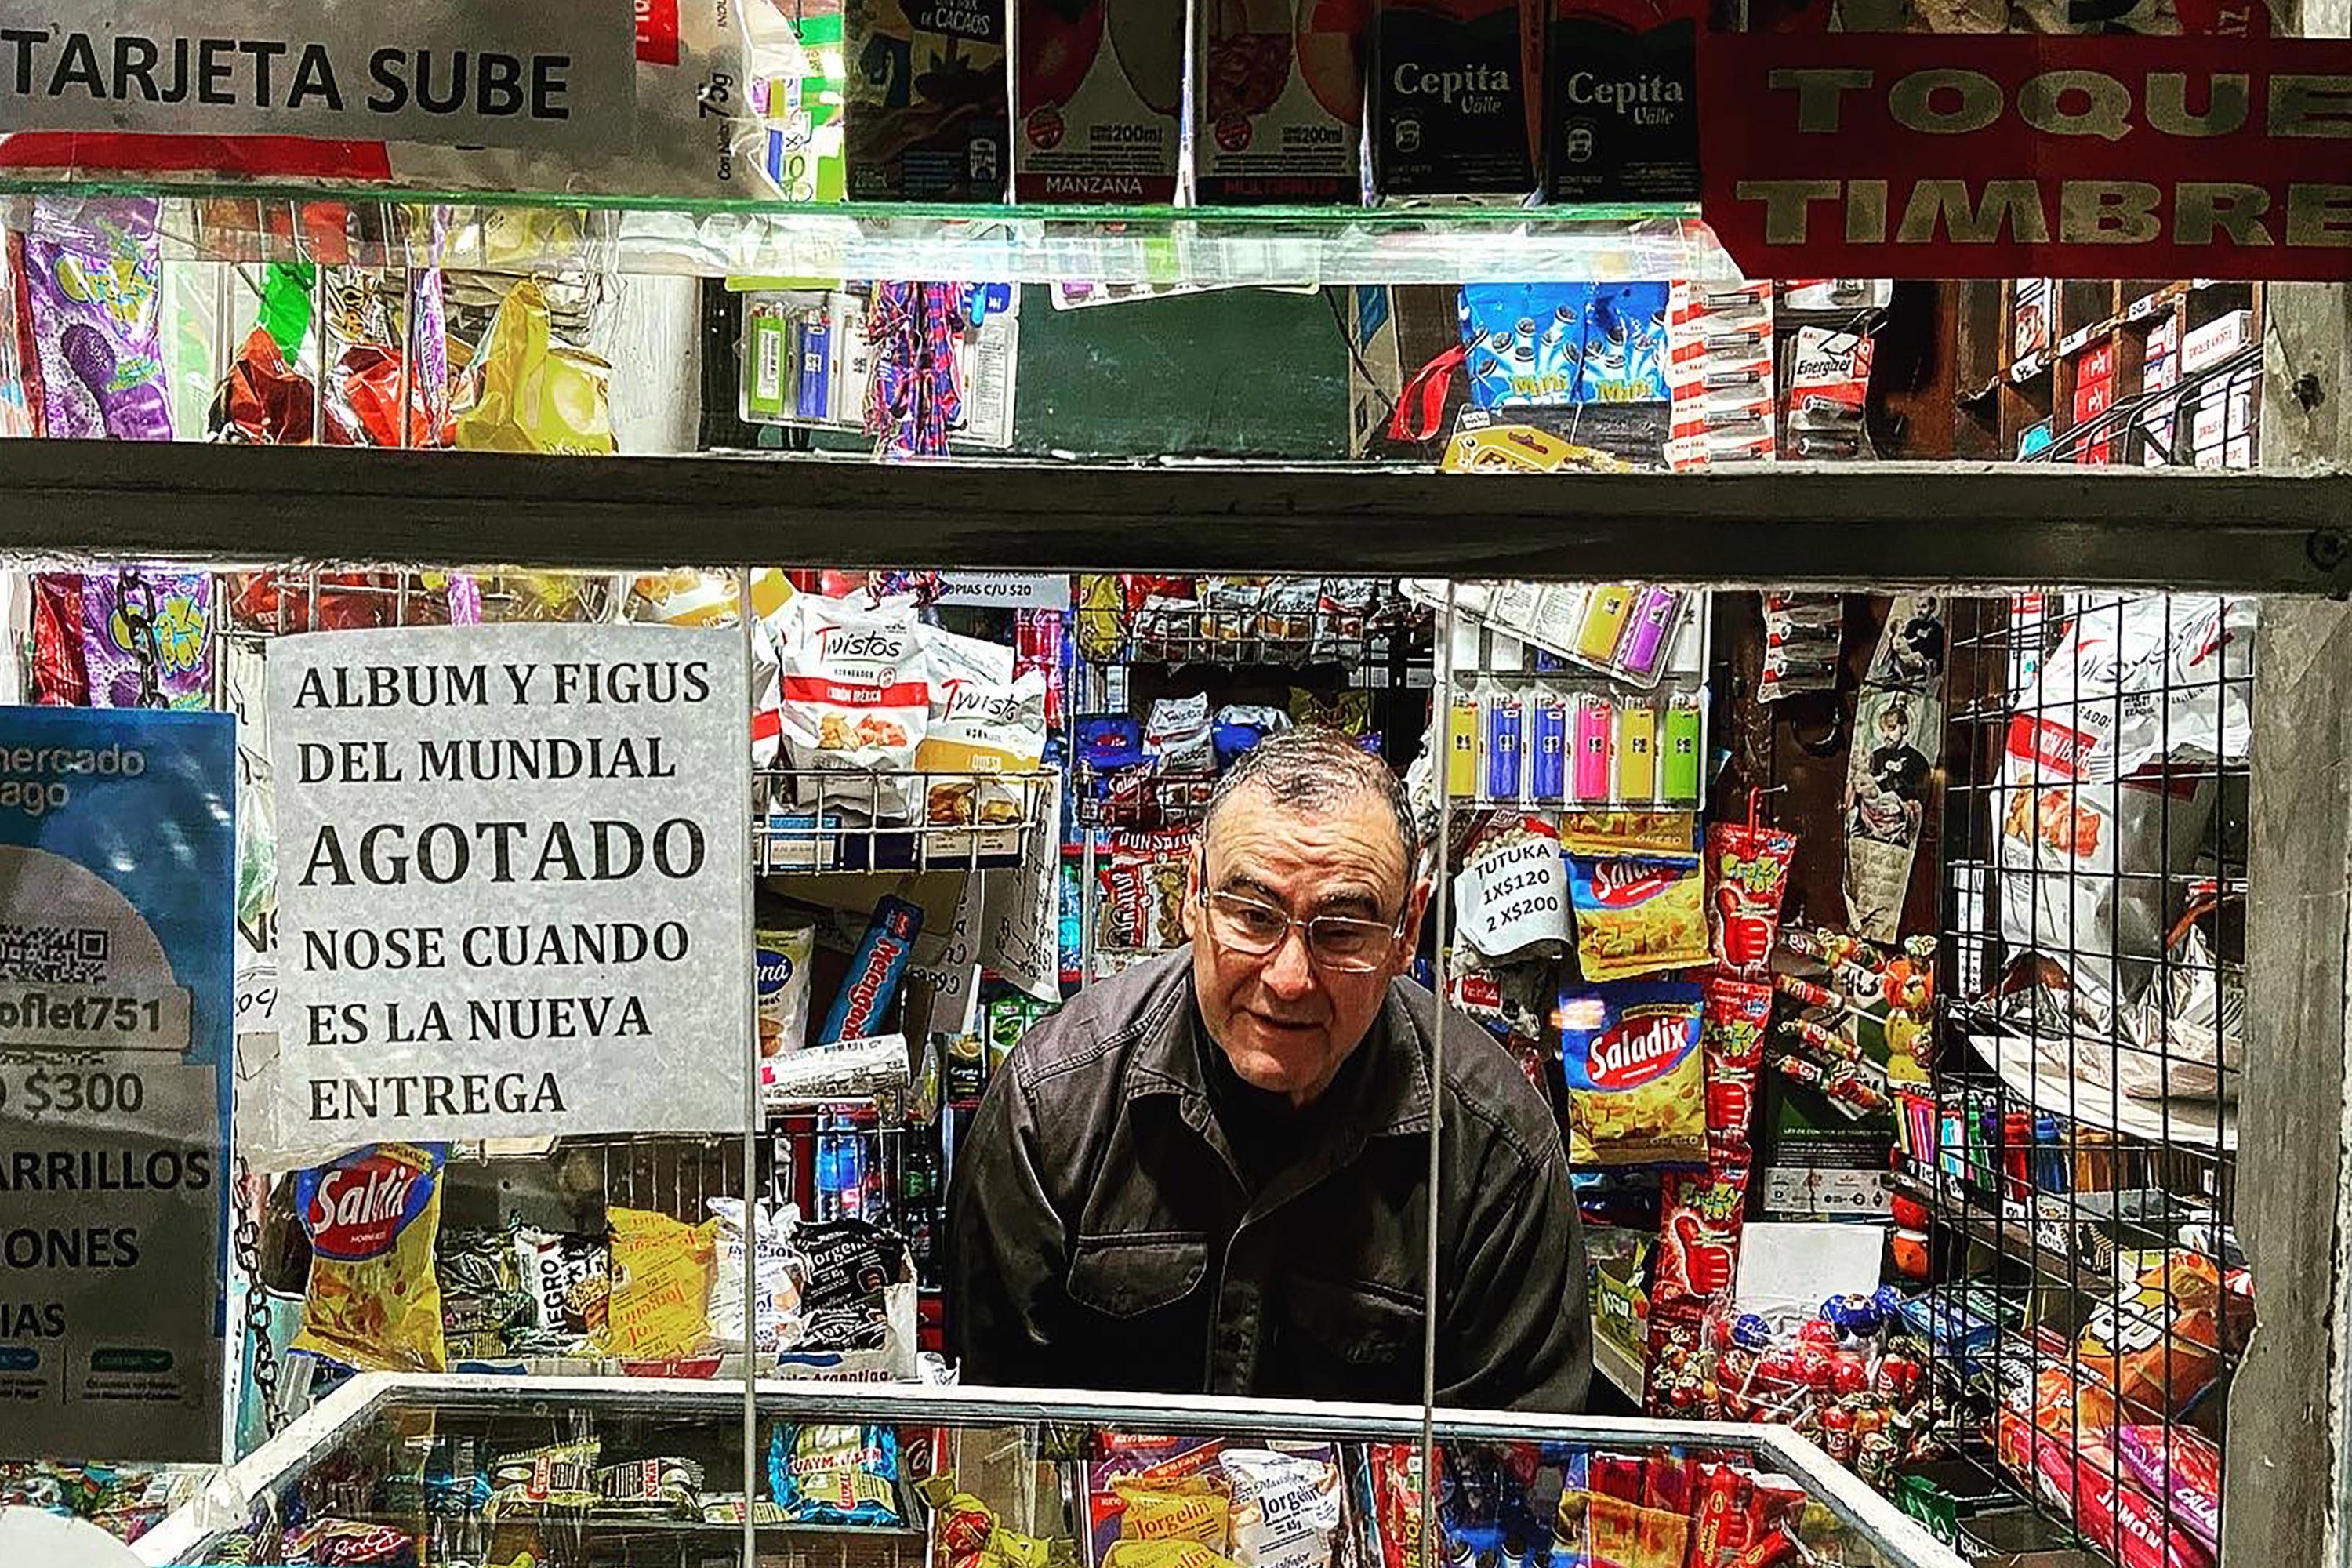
x=1140, y=797
x=826, y=820
x=1192, y=633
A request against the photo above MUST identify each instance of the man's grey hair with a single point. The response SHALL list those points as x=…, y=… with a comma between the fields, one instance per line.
x=1317, y=769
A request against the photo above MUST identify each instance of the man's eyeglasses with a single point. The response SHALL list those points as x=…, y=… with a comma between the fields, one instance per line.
x=1340, y=943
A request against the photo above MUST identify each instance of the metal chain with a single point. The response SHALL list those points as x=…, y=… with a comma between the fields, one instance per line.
x=246, y=1241
x=139, y=619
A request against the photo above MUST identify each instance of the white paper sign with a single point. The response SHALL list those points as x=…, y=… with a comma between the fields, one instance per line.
x=510, y=874
x=524, y=73
x=1012, y=590
x=1021, y=934
x=1514, y=895
x=955, y=979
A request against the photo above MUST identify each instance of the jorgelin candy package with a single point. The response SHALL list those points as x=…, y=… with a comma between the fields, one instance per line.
x=1278, y=93
x=1454, y=97
x=1097, y=100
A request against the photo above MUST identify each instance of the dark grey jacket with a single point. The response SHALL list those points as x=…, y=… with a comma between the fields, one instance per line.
x=1101, y=1234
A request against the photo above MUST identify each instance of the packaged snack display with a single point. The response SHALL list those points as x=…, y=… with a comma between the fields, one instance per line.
x=482, y=1298
x=876, y=971
x=374, y=1300
x=94, y=275
x=2160, y=1346
x=530, y=394
x=1285, y=1508
x=835, y=1475
x=785, y=946
x=661, y=1285
x=1636, y=1081
x=778, y=1272
x=649, y=1489
x=549, y=1482
x=1748, y=875
x=1737, y=1014
x=1145, y=882
x=855, y=697
x=982, y=727
x=1637, y=917
x=569, y=1281
x=2178, y=1467
x=1699, y=1217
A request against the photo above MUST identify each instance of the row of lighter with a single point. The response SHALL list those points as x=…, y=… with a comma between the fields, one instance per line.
x=1539, y=745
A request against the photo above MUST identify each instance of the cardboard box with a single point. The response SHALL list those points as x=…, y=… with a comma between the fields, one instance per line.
x=1097, y=100
x=1456, y=96
x=2030, y=303
x=1620, y=102
x=1278, y=108
x=2093, y=398
x=929, y=111
x=2216, y=340
x=2161, y=372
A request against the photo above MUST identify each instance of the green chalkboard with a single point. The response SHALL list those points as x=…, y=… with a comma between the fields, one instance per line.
x=1242, y=371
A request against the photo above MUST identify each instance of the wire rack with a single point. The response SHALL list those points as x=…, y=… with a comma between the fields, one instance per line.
x=2079, y=1148
x=1276, y=625
x=898, y=819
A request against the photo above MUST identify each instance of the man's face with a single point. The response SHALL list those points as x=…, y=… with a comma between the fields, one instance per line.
x=1285, y=1022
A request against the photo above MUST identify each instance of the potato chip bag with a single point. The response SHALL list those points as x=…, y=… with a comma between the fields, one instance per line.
x=1661, y=835
x=1637, y=917
x=374, y=1298
x=660, y=1285
x=1636, y=1079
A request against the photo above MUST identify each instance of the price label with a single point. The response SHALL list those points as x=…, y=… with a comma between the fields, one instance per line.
x=126, y=1017
x=58, y=1094
x=1514, y=895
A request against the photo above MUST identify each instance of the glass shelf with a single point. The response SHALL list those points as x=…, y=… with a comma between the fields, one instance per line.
x=1132, y=246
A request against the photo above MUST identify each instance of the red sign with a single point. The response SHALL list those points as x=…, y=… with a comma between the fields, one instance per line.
x=1891, y=155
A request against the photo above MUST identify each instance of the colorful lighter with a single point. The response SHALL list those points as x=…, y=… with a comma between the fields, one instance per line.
x=1680, y=754
x=816, y=366
x=1589, y=773
x=1637, y=754
x=1462, y=747
x=1605, y=621
x=1506, y=722
x=1643, y=653
x=1548, y=748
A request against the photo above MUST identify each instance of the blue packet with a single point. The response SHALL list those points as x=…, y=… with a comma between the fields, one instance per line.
x=835, y=1475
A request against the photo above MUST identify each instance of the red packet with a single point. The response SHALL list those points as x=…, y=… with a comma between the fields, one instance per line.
x=1738, y=1012
x=1699, y=1216
x=1747, y=877
x=1677, y=1381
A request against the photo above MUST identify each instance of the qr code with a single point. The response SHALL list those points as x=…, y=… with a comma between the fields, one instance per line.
x=54, y=955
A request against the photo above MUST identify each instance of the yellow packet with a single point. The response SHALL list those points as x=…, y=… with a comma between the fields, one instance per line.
x=661, y=1285
x=1666, y=834
x=374, y=1302
x=531, y=396
x=1192, y=1509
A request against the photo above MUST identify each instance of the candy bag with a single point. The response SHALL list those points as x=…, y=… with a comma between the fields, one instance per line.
x=1636, y=1080
x=568, y=1276
x=531, y=396
x=1747, y=873
x=777, y=1274
x=1285, y=1508
x=1732, y=1033
x=143, y=637
x=1699, y=1219
x=2181, y=1469
x=542, y=1483
x=835, y=1475
x=374, y=1302
x=1637, y=917
x=481, y=1294
x=94, y=277
x=855, y=696
x=1188, y=1508
x=661, y=1285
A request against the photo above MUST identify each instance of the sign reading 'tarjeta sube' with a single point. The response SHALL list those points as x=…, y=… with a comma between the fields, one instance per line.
x=1896, y=155
x=511, y=864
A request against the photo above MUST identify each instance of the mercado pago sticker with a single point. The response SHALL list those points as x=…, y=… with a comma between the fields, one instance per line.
x=117, y=866
x=511, y=873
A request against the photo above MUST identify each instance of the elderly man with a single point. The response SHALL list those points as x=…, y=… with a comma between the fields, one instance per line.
x=1211, y=1174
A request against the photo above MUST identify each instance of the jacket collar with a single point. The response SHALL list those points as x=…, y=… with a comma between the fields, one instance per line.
x=1392, y=1098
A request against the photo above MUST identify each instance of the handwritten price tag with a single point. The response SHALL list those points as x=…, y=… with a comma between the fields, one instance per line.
x=1514, y=896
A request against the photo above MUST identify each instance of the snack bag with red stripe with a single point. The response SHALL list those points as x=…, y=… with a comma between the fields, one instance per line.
x=1636, y=1087
x=855, y=697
